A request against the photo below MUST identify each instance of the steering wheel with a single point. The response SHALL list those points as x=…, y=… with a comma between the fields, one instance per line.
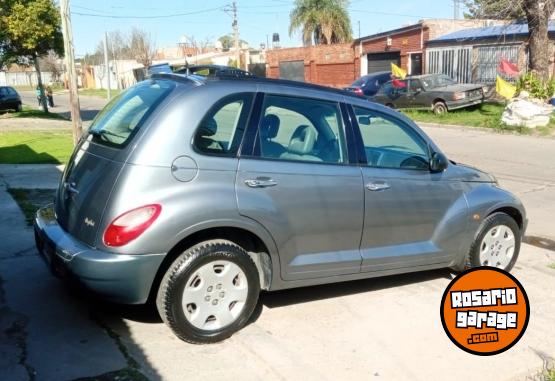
x=415, y=162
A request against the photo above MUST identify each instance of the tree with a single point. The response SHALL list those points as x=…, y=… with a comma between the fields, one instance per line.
x=227, y=42
x=321, y=21
x=536, y=12
x=493, y=10
x=141, y=46
x=30, y=29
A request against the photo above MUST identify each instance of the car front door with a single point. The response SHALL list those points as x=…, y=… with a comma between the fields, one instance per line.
x=4, y=99
x=416, y=96
x=413, y=217
x=294, y=178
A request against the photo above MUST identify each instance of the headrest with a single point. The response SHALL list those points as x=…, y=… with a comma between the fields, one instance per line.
x=302, y=141
x=270, y=126
x=208, y=128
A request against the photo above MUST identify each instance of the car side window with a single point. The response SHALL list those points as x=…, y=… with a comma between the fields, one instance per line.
x=222, y=129
x=3, y=91
x=415, y=85
x=389, y=143
x=11, y=91
x=300, y=129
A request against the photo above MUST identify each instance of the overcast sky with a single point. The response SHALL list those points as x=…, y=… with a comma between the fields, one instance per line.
x=168, y=20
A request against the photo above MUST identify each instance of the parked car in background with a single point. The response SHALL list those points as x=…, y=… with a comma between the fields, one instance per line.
x=9, y=99
x=201, y=192
x=436, y=92
x=368, y=85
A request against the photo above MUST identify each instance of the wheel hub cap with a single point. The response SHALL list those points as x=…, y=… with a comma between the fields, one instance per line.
x=215, y=295
x=497, y=247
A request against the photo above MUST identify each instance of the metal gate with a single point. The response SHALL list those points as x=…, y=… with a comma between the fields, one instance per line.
x=293, y=70
x=382, y=61
x=488, y=58
x=454, y=62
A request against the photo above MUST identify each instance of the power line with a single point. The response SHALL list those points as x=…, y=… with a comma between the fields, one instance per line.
x=147, y=17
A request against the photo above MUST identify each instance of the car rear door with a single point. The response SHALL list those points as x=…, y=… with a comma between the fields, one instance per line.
x=413, y=217
x=294, y=178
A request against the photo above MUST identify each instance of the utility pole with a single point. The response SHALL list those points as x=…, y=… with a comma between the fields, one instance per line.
x=456, y=4
x=71, y=71
x=106, y=63
x=236, y=35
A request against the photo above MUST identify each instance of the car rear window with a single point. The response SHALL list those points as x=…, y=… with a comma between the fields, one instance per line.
x=120, y=120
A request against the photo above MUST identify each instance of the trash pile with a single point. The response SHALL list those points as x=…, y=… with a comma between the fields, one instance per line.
x=527, y=112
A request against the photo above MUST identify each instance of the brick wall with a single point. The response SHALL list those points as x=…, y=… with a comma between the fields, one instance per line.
x=331, y=65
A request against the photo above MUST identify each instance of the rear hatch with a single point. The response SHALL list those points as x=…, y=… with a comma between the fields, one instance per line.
x=96, y=163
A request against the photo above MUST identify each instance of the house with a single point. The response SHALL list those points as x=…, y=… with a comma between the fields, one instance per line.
x=340, y=64
x=473, y=55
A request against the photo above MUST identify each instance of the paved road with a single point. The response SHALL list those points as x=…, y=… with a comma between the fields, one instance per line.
x=90, y=105
x=386, y=328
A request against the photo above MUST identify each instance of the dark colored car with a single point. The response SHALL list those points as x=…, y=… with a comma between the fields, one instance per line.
x=9, y=99
x=213, y=71
x=368, y=85
x=436, y=92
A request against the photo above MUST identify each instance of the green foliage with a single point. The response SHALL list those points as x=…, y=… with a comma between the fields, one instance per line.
x=495, y=9
x=321, y=21
x=29, y=29
x=537, y=87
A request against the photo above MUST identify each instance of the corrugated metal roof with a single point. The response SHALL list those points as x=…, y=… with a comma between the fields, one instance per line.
x=507, y=31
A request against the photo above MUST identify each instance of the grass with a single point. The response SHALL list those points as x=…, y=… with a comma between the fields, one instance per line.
x=30, y=200
x=29, y=112
x=551, y=375
x=552, y=266
x=487, y=116
x=103, y=93
x=44, y=147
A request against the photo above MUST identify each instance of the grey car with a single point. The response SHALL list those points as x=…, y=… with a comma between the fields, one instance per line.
x=199, y=193
x=436, y=92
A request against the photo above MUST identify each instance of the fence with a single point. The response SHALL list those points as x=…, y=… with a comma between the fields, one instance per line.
x=24, y=78
x=488, y=58
x=455, y=62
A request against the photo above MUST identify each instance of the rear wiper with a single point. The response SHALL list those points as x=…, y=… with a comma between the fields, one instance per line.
x=102, y=134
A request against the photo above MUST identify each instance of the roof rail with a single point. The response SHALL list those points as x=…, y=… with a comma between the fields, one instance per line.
x=198, y=80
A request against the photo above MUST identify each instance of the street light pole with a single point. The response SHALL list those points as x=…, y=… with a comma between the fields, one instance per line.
x=71, y=71
x=106, y=63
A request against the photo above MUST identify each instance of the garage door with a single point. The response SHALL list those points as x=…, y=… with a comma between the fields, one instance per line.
x=382, y=61
x=292, y=70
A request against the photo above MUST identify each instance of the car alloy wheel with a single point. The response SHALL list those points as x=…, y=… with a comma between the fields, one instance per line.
x=497, y=247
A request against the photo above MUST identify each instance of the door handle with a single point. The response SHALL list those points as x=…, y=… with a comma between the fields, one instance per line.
x=261, y=183
x=377, y=186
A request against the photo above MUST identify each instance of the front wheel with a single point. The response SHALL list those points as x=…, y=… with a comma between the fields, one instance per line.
x=439, y=108
x=209, y=292
x=497, y=243
x=19, y=107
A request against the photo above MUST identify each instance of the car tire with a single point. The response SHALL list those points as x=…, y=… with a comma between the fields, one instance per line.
x=19, y=107
x=497, y=240
x=439, y=108
x=209, y=292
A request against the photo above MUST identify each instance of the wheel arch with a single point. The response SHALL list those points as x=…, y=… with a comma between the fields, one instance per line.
x=261, y=250
x=512, y=212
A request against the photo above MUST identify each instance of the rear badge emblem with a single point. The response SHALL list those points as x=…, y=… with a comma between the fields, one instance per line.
x=89, y=222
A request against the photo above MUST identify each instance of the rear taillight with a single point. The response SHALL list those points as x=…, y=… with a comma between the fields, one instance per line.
x=130, y=225
x=358, y=91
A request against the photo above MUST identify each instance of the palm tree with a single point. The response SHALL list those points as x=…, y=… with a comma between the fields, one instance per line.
x=321, y=21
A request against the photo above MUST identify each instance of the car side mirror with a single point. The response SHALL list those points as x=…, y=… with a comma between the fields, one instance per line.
x=438, y=162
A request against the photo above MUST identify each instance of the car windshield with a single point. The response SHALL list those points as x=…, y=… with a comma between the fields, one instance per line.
x=123, y=116
x=433, y=81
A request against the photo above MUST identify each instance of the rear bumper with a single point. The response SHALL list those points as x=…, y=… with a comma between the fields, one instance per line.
x=119, y=278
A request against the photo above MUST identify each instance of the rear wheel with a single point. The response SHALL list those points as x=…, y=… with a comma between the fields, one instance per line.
x=209, y=292
x=19, y=107
x=439, y=108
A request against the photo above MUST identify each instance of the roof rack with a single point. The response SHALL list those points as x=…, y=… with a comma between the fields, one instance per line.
x=235, y=75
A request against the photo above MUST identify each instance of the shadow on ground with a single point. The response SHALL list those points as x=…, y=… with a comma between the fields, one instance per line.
x=86, y=115
x=23, y=154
